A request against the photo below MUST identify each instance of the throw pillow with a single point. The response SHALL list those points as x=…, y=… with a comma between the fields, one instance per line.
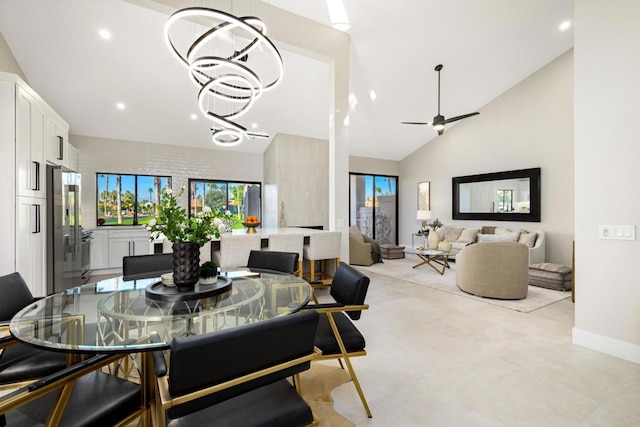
x=468, y=235
x=486, y=229
x=354, y=233
x=451, y=234
x=504, y=237
x=528, y=239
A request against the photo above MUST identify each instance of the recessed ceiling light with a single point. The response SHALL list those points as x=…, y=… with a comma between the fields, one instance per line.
x=338, y=15
x=342, y=27
x=105, y=34
x=120, y=106
x=254, y=125
x=194, y=117
x=565, y=25
x=373, y=95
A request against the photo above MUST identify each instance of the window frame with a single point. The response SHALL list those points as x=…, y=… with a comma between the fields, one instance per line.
x=134, y=221
x=237, y=221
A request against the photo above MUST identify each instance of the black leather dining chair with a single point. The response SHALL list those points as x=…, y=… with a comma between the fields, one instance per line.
x=80, y=395
x=237, y=376
x=337, y=337
x=286, y=262
x=146, y=266
x=20, y=363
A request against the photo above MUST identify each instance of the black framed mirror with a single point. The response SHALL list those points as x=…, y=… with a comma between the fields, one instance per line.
x=499, y=196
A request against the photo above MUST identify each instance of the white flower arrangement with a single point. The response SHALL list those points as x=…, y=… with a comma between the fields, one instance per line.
x=172, y=221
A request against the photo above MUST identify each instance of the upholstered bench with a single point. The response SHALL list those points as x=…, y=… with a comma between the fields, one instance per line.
x=551, y=276
x=389, y=251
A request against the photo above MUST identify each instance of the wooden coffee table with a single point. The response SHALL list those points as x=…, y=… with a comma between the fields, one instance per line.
x=431, y=257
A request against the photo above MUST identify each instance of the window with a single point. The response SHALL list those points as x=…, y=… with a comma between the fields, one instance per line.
x=241, y=198
x=373, y=206
x=128, y=199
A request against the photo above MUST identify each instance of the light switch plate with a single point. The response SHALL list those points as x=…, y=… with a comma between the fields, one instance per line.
x=617, y=232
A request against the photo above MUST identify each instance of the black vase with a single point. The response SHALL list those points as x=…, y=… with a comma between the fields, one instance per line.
x=186, y=265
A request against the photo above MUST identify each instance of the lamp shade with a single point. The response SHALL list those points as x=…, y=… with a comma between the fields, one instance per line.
x=423, y=215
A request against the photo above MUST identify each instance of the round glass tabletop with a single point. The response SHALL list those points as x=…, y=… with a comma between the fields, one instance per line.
x=114, y=315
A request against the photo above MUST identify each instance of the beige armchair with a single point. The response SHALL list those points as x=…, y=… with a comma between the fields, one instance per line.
x=494, y=270
x=360, y=247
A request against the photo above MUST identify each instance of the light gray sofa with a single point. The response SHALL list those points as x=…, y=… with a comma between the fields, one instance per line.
x=463, y=236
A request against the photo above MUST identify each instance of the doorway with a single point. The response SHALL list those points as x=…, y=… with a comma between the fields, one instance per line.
x=373, y=206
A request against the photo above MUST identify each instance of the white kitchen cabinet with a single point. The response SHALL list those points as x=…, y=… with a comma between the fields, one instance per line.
x=56, y=140
x=127, y=243
x=23, y=124
x=100, y=249
x=31, y=243
x=29, y=140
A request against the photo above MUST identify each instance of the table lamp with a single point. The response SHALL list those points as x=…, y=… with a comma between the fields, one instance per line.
x=423, y=216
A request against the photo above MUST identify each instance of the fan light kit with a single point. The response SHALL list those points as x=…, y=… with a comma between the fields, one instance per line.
x=220, y=65
x=439, y=121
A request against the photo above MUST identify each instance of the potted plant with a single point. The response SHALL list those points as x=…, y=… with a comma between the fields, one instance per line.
x=188, y=235
x=208, y=273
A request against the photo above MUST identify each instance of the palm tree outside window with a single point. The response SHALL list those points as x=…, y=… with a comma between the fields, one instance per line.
x=133, y=201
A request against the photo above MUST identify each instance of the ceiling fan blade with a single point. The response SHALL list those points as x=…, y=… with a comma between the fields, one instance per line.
x=455, y=119
x=415, y=123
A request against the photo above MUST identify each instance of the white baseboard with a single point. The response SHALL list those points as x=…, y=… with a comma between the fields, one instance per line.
x=607, y=345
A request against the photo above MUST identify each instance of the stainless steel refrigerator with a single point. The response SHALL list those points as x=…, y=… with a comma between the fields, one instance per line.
x=64, y=231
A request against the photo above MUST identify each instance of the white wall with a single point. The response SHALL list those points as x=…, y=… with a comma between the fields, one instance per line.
x=114, y=156
x=607, y=151
x=8, y=62
x=373, y=166
x=531, y=125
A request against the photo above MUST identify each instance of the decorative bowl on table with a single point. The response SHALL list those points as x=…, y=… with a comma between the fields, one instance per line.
x=251, y=226
x=251, y=222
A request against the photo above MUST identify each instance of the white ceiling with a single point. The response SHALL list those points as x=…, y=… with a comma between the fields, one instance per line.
x=486, y=48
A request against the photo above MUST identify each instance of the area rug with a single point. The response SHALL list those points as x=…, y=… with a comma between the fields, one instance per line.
x=425, y=276
x=317, y=384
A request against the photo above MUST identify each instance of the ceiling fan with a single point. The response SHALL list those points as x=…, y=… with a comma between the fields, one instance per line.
x=439, y=121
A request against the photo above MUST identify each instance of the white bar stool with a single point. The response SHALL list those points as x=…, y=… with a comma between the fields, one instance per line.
x=322, y=246
x=293, y=242
x=234, y=250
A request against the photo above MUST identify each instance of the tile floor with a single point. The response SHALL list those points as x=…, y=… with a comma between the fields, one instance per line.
x=437, y=359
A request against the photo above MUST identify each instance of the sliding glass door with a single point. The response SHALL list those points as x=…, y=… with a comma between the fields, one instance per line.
x=373, y=206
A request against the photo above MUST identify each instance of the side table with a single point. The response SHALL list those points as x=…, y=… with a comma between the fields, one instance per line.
x=422, y=235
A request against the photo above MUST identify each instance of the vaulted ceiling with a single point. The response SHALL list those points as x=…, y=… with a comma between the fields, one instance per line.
x=486, y=48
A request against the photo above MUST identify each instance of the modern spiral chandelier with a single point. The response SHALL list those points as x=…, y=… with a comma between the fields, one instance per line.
x=230, y=59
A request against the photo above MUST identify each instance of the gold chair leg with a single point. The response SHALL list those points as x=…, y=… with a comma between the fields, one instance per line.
x=356, y=383
x=312, y=270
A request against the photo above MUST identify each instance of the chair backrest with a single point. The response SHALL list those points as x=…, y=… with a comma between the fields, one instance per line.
x=14, y=295
x=286, y=242
x=146, y=266
x=287, y=262
x=235, y=249
x=349, y=287
x=200, y=361
x=323, y=245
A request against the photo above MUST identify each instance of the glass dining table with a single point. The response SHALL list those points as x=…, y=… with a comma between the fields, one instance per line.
x=118, y=316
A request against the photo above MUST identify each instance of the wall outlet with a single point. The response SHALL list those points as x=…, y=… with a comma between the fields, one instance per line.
x=617, y=232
